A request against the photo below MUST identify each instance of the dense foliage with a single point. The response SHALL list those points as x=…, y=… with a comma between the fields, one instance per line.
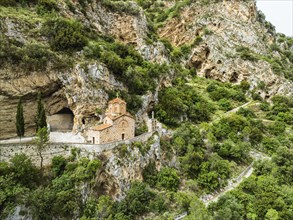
x=207, y=142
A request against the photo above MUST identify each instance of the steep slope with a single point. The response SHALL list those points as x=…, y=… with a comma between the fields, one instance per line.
x=224, y=31
x=228, y=42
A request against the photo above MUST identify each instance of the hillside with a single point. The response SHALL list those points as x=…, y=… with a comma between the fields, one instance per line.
x=215, y=74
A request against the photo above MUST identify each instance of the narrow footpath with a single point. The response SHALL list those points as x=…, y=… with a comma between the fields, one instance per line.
x=232, y=183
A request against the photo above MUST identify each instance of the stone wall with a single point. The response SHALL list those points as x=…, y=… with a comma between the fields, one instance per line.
x=7, y=151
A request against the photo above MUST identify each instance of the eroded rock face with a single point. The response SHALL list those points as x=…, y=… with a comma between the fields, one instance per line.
x=219, y=31
x=80, y=90
x=120, y=171
x=14, y=85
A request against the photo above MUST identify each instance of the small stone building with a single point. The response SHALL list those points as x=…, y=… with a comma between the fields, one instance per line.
x=117, y=125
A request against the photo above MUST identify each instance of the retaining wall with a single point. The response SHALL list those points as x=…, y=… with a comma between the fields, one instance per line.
x=7, y=151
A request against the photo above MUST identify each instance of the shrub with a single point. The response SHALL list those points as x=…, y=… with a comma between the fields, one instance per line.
x=136, y=201
x=244, y=85
x=113, y=62
x=24, y=171
x=285, y=117
x=182, y=102
x=168, y=179
x=256, y=96
x=35, y=56
x=149, y=174
x=65, y=34
x=47, y=5
x=8, y=2
x=235, y=123
x=219, y=93
x=270, y=144
x=225, y=104
x=277, y=128
x=246, y=113
x=58, y=165
x=246, y=54
x=264, y=106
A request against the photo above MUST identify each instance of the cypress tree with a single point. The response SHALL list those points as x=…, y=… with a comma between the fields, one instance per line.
x=19, y=120
x=41, y=121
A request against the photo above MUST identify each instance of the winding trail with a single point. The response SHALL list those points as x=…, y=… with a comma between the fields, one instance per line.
x=233, y=183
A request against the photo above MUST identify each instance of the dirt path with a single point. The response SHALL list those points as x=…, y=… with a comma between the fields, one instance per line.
x=233, y=183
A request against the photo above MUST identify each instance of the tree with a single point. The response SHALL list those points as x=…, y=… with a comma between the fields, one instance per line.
x=168, y=179
x=197, y=210
x=272, y=214
x=104, y=207
x=42, y=142
x=24, y=171
x=41, y=121
x=19, y=120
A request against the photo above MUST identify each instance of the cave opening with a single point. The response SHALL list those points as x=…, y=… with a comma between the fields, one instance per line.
x=234, y=77
x=62, y=120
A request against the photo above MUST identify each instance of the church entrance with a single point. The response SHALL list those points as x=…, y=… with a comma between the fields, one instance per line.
x=123, y=137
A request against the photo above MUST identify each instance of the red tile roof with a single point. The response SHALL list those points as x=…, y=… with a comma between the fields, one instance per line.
x=117, y=100
x=100, y=127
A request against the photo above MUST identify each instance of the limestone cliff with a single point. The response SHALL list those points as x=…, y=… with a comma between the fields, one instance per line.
x=214, y=32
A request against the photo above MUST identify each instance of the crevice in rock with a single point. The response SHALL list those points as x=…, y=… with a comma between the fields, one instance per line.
x=234, y=77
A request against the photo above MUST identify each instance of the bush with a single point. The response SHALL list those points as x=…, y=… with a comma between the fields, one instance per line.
x=182, y=102
x=225, y=104
x=136, y=201
x=264, y=106
x=244, y=85
x=168, y=179
x=270, y=144
x=35, y=56
x=256, y=96
x=247, y=113
x=47, y=5
x=219, y=93
x=8, y=2
x=149, y=174
x=235, y=123
x=246, y=54
x=24, y=171
x=58, y=165
x=65, y=35
x=113, y=62
x=277, y=128
x=285, y=117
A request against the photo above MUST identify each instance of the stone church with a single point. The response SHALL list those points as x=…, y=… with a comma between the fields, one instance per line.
x=117, y=125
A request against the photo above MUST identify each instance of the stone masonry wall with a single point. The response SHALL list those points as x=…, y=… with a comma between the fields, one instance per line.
x=7, y=151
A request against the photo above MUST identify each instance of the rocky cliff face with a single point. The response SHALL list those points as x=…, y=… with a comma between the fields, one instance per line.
x=214, y=33
x=223, y=29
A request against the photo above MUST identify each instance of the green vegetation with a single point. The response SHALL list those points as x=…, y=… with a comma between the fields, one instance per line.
x=65, y=34
x=209, y=143
x=181, y=103
x=280, y=66
x=42, y=140
x=41, y=121
x=19, y=120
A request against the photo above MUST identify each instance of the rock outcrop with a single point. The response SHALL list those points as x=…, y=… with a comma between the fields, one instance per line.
x=212, y=33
